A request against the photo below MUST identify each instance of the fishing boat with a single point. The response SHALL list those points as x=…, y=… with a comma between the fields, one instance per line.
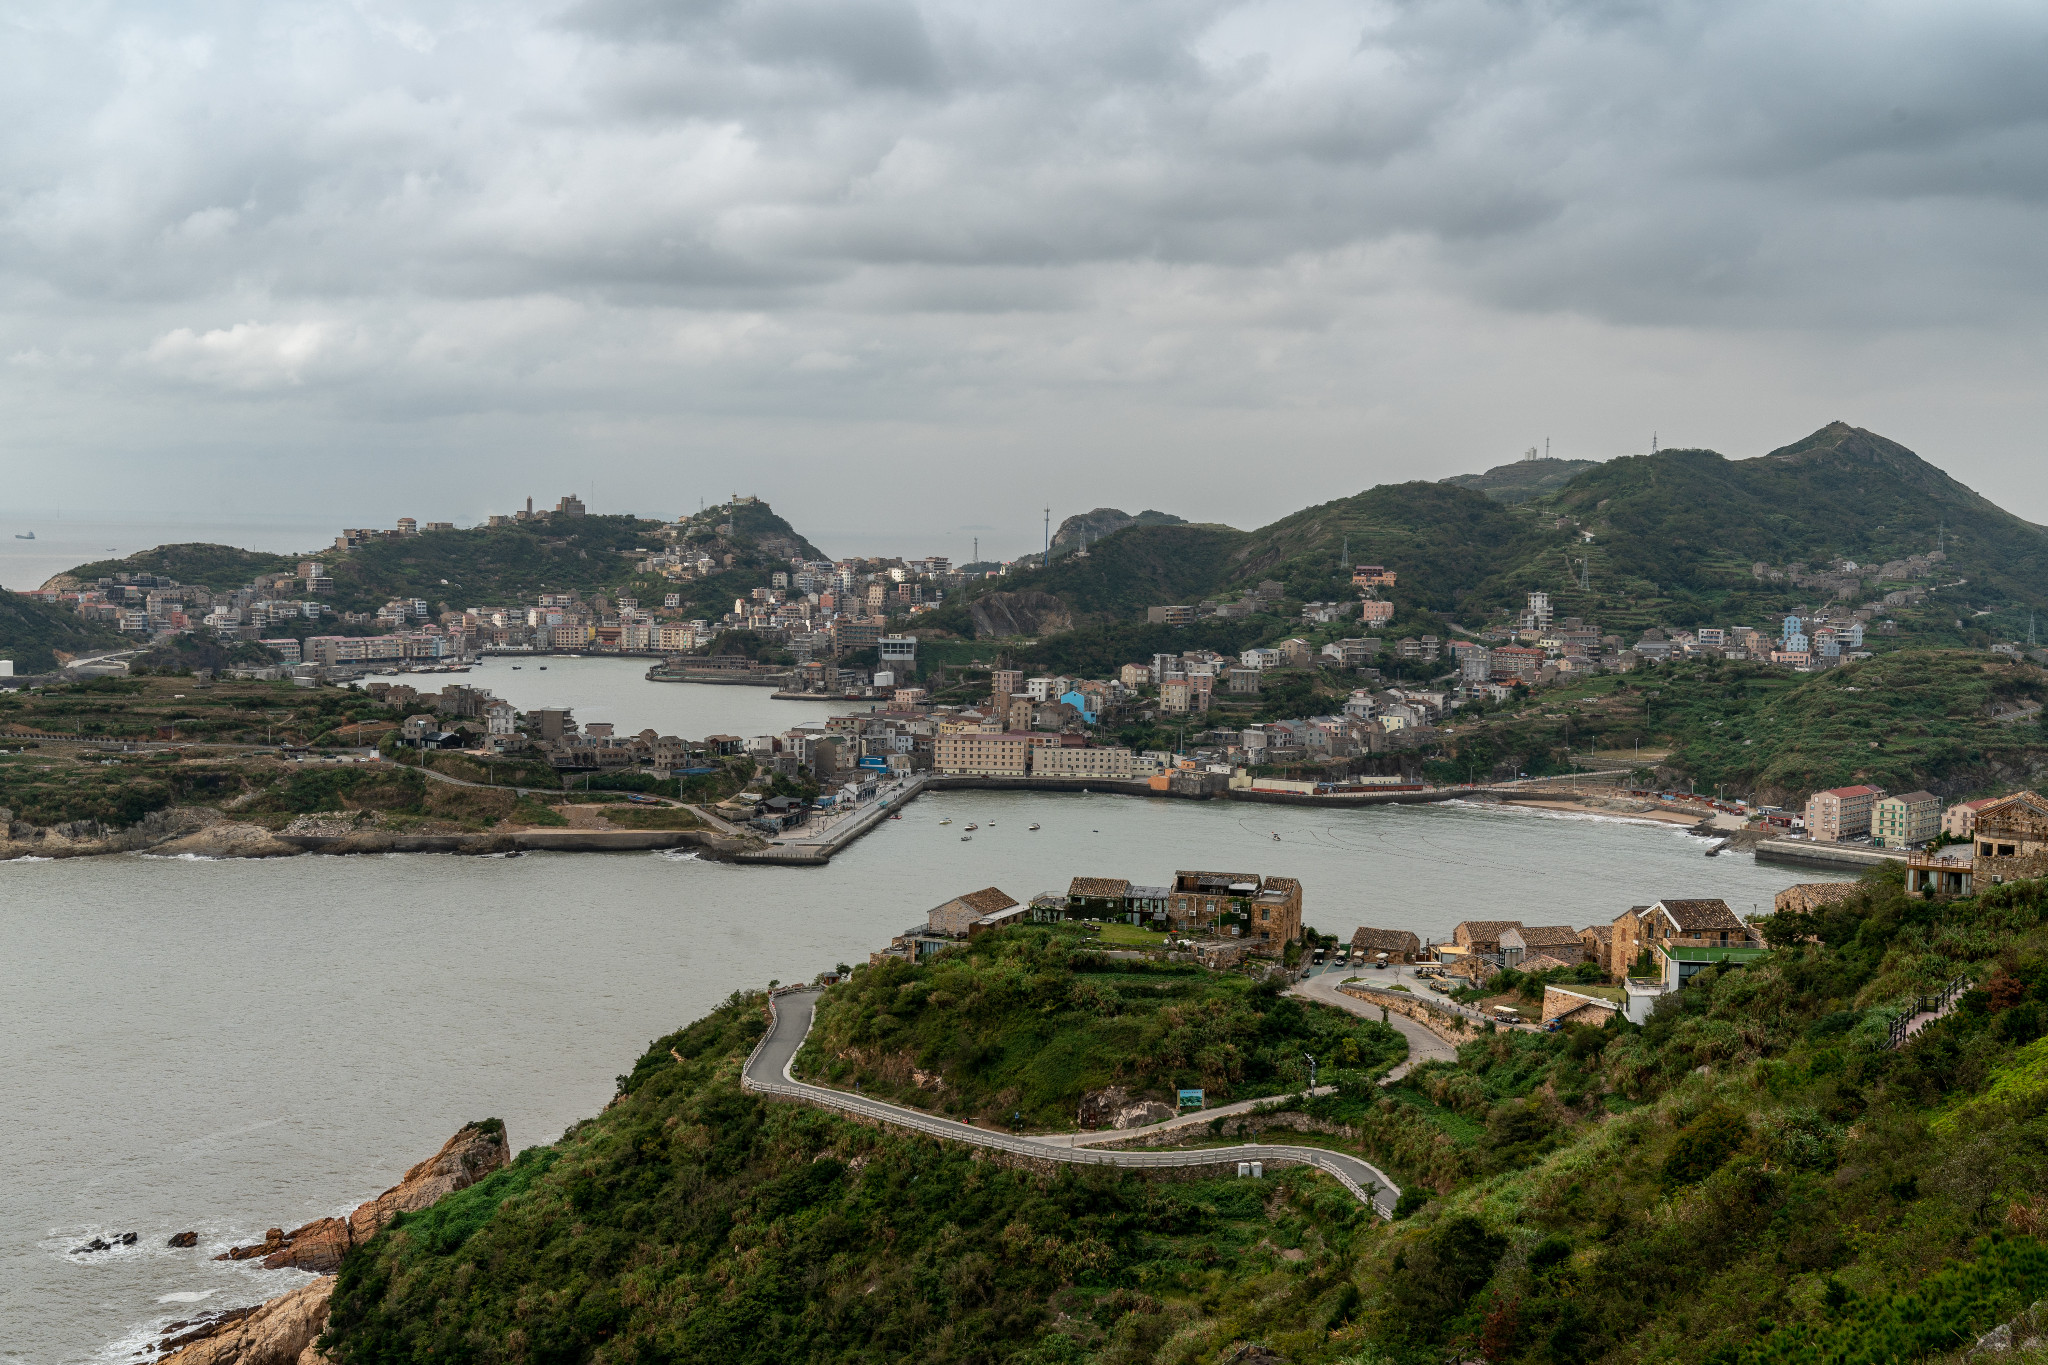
x=965, y=837
x=30, y=536
x=974, y=827
x=947, y=821
x=1034, y=827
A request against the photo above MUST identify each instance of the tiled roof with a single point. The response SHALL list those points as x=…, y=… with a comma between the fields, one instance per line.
x=988, y=900
x=1603, y=933
x=1117, y=887
x=1699, y=917
x=1913, y=798
x=1544, y=935
x=1543, y=962
x=1486, y=930
x=1384, y=941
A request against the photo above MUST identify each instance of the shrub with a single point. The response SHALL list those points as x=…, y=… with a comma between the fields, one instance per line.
x=1704, y=1144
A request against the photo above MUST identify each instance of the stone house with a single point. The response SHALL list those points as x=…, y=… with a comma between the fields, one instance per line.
x=956, y=917
x=1697, y=924
x=1626, y=941
x=1596, y=941
x=1266, y=910
x=1811, y=896
x=1521, y=943
x=1398, y=944
x=1482, y=935
x=2012, y=840
x=1097, y=897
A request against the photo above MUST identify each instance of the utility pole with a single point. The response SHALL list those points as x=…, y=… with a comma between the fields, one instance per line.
x=1048, y=535
x=977, y=549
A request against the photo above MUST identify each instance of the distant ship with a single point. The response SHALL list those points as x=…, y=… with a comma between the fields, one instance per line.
x=30, y=536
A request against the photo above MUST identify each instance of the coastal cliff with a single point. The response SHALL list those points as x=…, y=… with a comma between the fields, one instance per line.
x=282, y=1330
x=318, y=1246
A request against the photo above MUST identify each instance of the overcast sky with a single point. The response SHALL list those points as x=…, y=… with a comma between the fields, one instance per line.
x=912, y=271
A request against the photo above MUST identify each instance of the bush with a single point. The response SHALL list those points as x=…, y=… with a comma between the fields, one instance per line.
x=1704, y=1144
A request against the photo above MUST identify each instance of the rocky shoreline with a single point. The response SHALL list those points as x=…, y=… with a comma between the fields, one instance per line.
x=202, y=832
x=284, y=1330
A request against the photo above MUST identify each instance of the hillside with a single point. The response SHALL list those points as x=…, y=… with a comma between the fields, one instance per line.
x=1956, y=722
x=1028, y=1028
x=1752, y=1177
x=505, y=564
x=1522, y=480
x=33, y=633
x=1085, y=528
x=1679, y=538
x=1691, y=525
x=217, y=567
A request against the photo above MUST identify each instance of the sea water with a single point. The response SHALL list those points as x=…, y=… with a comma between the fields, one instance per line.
x=230, y=1046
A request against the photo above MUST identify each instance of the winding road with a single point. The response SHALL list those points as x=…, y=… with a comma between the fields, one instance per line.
x=1423, y=1045
x=767, y=1073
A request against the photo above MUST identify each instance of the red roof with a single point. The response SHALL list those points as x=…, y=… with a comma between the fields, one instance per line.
x=1851, y=791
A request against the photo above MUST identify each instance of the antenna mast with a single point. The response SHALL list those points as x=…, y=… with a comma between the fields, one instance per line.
x=1048, y=537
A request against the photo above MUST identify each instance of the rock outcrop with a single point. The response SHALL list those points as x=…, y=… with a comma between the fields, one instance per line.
x=279, y=1332
x=179, y=829
x=1115, y=1108
x=1019, y=613
x=319, y=1246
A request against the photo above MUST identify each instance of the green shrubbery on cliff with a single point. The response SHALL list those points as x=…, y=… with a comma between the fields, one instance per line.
x=1751, y=1177
x=693, y=1222
x=1024, y=1023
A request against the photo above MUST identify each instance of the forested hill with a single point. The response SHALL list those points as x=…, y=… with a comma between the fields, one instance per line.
x=504, y=564
x=1681, y=537
x=1697, y=521
x=1522, y=480
x=32, y=634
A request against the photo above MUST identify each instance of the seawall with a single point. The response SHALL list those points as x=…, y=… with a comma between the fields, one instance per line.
x=1837, y=857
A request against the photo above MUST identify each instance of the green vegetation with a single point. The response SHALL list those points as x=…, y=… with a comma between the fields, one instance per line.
x=692, y=1222
x=1524, y=479
x=1943, y=719
x=34, y=633
x=1024, y=1023
x=204, y=566
x=1752, y=1177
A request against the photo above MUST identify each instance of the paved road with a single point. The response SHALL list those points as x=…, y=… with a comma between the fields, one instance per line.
x=1423, y=1046
x=767, y=1073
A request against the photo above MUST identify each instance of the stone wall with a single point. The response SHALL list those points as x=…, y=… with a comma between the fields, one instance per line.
x=1453, y=1028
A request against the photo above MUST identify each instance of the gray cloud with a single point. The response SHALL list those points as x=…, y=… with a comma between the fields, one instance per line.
x=1121, y=244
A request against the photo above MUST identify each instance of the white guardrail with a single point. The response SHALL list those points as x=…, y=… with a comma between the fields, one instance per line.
x=1332, y=1163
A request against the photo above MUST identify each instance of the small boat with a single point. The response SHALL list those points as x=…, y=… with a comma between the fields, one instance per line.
x=1034, y=827
x=543, y=668
x=947, y=821
x=974, y=827
x=515, y=668
x=1276, y=838
x=897, y=816
x=30, y=536
x=965, y=837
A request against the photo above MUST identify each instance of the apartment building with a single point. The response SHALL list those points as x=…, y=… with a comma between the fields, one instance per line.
x=1905, y=821
x=1840, y=812
x=1060, y=761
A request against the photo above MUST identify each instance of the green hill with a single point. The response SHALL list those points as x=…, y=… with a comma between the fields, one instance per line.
x=505, y=564
x=201, y=565
x=1958, y=723
x=1522, y=480
x=33, y=633
x=1681, y=537
x=1690, y=525
x=1754, y=1176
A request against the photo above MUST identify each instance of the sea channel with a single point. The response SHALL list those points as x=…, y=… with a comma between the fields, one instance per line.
x=231, y=1046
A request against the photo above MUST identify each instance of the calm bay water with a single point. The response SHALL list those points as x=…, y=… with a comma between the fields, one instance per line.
x=229, y=1046
x=64, y=543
